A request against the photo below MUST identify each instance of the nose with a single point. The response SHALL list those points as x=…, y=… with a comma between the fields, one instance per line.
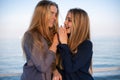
x=54, y=17
x=65, y=22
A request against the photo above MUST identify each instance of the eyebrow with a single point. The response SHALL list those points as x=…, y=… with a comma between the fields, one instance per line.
x=53, y=12
x=68, y=17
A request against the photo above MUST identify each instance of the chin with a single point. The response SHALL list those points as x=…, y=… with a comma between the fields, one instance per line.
x=50, y=26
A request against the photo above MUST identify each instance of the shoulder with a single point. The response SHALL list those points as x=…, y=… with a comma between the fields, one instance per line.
x=31, y=35
x=86, y=48
x=86, y=43
x=27, y=34
x=27, y=38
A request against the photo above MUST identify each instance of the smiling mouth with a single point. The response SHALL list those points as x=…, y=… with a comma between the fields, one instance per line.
x=67, y=27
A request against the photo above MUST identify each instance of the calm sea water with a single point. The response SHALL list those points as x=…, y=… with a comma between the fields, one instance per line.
x=106, y=55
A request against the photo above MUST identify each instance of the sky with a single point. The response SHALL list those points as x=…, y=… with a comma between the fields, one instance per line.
x=15, y=16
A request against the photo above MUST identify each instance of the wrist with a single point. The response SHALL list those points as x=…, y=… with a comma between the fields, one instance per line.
x=63, y=42
x=53, y=48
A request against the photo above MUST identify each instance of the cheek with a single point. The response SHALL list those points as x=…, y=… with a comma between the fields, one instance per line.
x=50, y=22
x=70, y=28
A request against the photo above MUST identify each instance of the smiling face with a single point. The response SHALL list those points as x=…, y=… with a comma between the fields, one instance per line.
x=53, y=16
x=68, y=23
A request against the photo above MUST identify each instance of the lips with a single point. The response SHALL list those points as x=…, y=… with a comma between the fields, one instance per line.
x=67, y=27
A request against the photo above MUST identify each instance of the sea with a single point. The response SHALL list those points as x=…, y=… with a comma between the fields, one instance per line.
x=106, y=58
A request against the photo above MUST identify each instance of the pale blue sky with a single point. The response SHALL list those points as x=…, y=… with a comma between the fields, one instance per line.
x=15, y=16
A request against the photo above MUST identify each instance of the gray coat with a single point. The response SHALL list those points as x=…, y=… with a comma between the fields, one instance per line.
x=38, y=60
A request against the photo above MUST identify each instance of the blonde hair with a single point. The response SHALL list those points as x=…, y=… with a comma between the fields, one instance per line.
x=39, y=23
x=80, y=30
x=40, y=19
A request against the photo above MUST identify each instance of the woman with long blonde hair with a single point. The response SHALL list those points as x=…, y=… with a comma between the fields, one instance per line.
x=75, y=49
x=39, y=42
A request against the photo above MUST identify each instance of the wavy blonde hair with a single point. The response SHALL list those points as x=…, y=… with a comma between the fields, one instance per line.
x=80, y=30
x=39, y=23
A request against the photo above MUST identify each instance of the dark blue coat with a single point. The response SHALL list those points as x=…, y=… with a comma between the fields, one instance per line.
x=76, y=67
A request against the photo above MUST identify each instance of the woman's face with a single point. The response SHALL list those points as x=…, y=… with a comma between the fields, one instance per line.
x=68, y=23
x=53, y=15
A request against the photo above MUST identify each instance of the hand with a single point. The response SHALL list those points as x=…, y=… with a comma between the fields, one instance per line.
x=55, y=40
x=56, y=75
x=63, y=35
x=53, y=47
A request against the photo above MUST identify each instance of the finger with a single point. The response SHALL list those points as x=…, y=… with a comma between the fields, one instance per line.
x=54, y=78
x=61, y=30
x=57, y=78
x=60, y=26
x=60, y=77
x=64, y=28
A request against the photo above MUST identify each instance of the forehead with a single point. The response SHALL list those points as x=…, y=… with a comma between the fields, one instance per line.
x=69, y=15
x=53, y=8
